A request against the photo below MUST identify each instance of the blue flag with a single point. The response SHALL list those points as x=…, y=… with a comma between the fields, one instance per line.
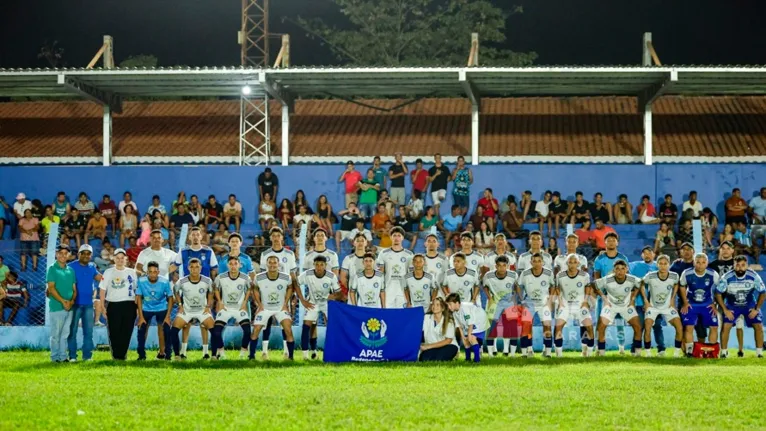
x=360, y=334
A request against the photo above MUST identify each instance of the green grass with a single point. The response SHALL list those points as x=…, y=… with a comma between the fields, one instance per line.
x=569, y=393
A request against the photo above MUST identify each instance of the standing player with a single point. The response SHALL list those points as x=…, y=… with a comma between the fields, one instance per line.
x=640, y=268
x=436, y=262
x=744, y=294
x=662, y=288
x=353, y=264
x=499, y=285
x=461, y=280
x=287, y=265
x=603, y=266
x=320, y=249
x=232, y=292
x=235, y=252
x=421, y=288
x=535, y=285
x=273, y=290
x=369, y=288
x=194, y=296
x=322, y=285
x=722, y=265
x=471, y=321
x=395, y=263
x=573, y=288
x=154, y=300
x=680, y=265
x=535, y=247
x=698, y=286
x=561, y=263
x=618, y=291
x=501, y=249
x=473, y=260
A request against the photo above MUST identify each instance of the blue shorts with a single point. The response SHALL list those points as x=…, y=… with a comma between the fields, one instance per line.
x=743, y=311
x=462, y=201
x=702, y=312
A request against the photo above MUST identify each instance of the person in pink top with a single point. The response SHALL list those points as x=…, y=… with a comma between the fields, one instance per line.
x=351, y=178
x=30, y=239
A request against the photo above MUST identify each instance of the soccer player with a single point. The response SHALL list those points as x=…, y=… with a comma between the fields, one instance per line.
x=421, y=288
x=436, y=262
x=501, y=249
x=640, y=268
x=154, y=300
x=618, y=291
x=662, y=288
x=534, y=285
x=287, y=265
x=395, y=263
x=722, y=265
x=603, y=266
x=681, y=264
x=322, y=285
x=471, y=321
x=194, y=296
x=499, y=286
x=273, y=290
x=369, y=288
x=741, y=294
x=473, y=260
x=574, y=289
x=353, y=264
x=232, y=291
x=235, y=252
x=535, y=247
x=320, y=249
x=561, y=261
x=698, y=286
x=461, y=280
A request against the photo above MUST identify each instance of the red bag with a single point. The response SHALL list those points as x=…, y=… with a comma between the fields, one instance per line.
x=706, y=350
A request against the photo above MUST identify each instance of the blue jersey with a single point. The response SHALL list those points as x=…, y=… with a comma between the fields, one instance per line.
x=85, y=275
x=741, y=291
x=154, y=296
x=699, y=288
x=640, y=268
x=245, y=264
x=605, y=264
x=204, y=254
x=679, y=266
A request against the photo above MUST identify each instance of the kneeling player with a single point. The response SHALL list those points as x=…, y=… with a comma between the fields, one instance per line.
x=662, y=287
x=741, y=293
x=574, y=287
x=697, y=285
x=322, y=285
x=471, y=321
x=535, y=286
x=499, y=285
x=194, y=296
x=273, y=290
x=232, y=290
x=618, y=292
x=368, y=288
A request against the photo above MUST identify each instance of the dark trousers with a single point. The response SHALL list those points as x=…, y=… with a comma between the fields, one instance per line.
x=121, y=318
x=443, y=353
x=159, y=317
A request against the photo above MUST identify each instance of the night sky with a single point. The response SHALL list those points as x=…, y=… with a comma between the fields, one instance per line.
x=203, y=32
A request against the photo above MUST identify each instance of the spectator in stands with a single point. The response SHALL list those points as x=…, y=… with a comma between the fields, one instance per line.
x=197, y=211
x=743, y=240
x=348, y=219
x=757, y=211
x=600, y=233
x=213, y=212
x=709, y=223
x=267, y=208
x=96, y=227
x=323, y=216
x=692, y=208
x=232, y=213
x=415, y=206
x=128, y=223
x=180, y=199
x=397, y=173
x=300, y=199
x=378, y=221
x=106, y=257
x=302, y=217
x=553, y=248
x=86, y=274
x=623, y=210
x=580, y=210
x=542, y=212
x=133, y=251
x=727, y=234
x=485, y=238
x=735, y=208
x=220, y=241
x=49, y=219
x=21, y=205
x=438, y=176
x=585, y=238
x=109, y=211
x=664, y=236
x=157, y=206
x=668, y=210
x=127, y=200
x=559, y=211
x=462, y=177
x=268, y=183
x=528, y=206
x=513, y=222
x=429, y=220
x=405, y=222
x=62, y=292
x=350, y=235
x=601, y=210
x=419, y=178
x=368, y=197
x=478, y=217
x=379, y=172
x=178, y=220
x=30, y=239
x=490, y=208
x=384, y=235
x=685, y=232
x=4, y=270
x=61, y=206
x=646, y=212
x=386, y=201
x=351, y=178
x=16, y=297
x=506, y=205
x=286, y=212
x=84, y=205
x=4, y=219
x=74, y=227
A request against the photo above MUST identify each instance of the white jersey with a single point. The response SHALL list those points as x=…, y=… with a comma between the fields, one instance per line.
x=286, y=260
x=461, y=284
x=489, y=260
x=618, y=293
x=318, y=288
x=395, y=266
x=232, y=290
x=352, y=264
x=473, y=261
x=525, y=261
x=331, y=256
x=164, y=257
x=273, y=291
x=560, y=263
x=660, y=291
x=194, y=294
x=501, y=288
x=437, y=266
x=536, y=288
x=420, y=289
x=573, y=288
x=368, y=289
x=469, y=315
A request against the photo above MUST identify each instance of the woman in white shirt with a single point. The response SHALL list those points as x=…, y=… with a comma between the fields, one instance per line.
x=438, y=333
x=118, y=293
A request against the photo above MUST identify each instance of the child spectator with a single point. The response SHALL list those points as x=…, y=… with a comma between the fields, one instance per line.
x=16, y=297
x=96, y=227
x=109, y=211
x=664, y=235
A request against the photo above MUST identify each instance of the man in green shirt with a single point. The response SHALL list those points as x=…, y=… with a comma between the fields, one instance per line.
x=62, y=291
x=368, y=200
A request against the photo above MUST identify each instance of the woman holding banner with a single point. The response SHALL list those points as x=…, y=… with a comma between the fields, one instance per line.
x=438, y=333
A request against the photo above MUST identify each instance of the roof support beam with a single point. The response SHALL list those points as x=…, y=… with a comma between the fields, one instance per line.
x=648, y=151
x=106, y=98
x=106, y=156
x=285, y=134
x=469, y=89
x=645, y=100
x=473, y=95
x=276, y=91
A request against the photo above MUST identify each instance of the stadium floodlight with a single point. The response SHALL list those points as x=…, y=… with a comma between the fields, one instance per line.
x=246, y=90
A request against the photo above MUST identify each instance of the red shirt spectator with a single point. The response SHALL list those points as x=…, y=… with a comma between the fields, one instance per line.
x=584, y=234
x=419, y=177
x=600, y=232
x=107, y=207
x=489, y=204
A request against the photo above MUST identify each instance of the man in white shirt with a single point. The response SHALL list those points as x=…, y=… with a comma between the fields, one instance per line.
x=163, y=256
x=541, y=208
x=21, y=205
x=232, y=212
x=692, y=208
x=118, y=293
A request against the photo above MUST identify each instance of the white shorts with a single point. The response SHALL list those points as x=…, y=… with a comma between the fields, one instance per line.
x=611, y=313
x=438, y=196
x=666, y=312
x=227, y=314
x=576, y=312
x=346, y=235
x=200, y=316
x=397, y=301
x=313, y=314
x=262, y=318
x=542, y=312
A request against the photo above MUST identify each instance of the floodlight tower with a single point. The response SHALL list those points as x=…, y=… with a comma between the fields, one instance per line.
x=254, y=133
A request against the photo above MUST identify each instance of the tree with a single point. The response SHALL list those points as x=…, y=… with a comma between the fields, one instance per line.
x=416, y=33
x=139, y=61
x=52, y=53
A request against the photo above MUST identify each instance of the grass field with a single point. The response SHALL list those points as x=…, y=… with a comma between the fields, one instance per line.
x=569, y=393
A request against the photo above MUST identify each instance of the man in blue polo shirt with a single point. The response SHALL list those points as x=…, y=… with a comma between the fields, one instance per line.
x=603, y=266
x=86, y=274
x=640, y=268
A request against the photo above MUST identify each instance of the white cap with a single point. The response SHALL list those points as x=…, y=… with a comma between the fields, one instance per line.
x=120, y=250
x=85, y=247
x=21, y=196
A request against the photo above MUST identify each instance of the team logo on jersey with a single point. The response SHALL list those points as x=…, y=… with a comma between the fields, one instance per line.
x=243, y=313
x=240, y=287
x=375, y=285
x=669, y=288
x=284, y=260
x=508, y=285
x=373, y=333
x=119, y=283
x=584, y=312
x=543, y=283
x=579, y=284
x=425, y=286
x=474, y=263
x=279, y=287
x=466, y=283
x=439, y=266
x=627, y=289
x=201, y=290
x=403, y=259
x=325, y=285
x=707, y=282
x=203, y=257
